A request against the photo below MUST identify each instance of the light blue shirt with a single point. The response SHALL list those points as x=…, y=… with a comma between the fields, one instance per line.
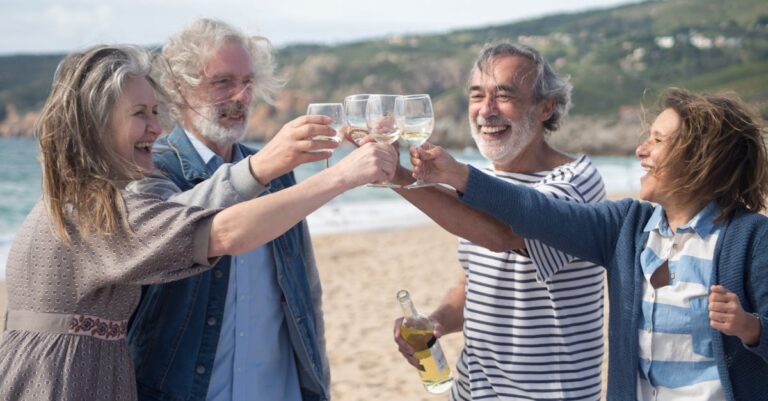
x=254, y=359
x=677, y=360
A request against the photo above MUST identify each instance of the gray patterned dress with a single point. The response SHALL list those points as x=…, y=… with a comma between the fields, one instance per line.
x=68, y=306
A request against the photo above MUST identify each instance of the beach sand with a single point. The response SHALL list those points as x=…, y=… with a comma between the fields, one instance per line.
x=361, y=272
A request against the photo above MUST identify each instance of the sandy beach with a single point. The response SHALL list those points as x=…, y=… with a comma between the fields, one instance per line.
x=361, y=272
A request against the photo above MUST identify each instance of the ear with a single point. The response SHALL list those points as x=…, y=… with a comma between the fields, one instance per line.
x=545, y=108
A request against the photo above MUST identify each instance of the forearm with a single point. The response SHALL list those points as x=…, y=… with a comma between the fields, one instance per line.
x=230, y=184
x=250, y=224
x=450, y=313
x=444, y=208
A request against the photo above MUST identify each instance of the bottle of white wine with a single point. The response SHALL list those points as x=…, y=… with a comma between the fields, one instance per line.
x=417, y=329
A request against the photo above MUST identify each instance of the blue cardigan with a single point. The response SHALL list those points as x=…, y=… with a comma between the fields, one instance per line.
x=611, y=235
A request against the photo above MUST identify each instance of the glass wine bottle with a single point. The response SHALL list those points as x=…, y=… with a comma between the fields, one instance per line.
x=417, y=329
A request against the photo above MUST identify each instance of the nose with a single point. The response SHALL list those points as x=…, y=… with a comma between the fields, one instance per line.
x=488, y=107
x=642, y=150
x=153, y=126
x=244, y=95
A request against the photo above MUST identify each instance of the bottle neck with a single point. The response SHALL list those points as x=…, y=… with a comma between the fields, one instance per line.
x=409, y=310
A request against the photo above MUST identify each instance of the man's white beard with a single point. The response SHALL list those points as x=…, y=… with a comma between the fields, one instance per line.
x=206, y=123
x=520, y=136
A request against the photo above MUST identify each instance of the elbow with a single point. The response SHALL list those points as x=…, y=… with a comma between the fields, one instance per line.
x=225, y=239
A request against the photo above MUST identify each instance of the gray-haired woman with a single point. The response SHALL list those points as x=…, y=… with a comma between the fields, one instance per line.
x=75, y=269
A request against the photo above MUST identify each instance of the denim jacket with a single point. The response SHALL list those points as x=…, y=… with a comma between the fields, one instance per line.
x=174, y=332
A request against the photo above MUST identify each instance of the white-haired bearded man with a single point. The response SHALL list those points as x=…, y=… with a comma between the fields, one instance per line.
x=252, y=327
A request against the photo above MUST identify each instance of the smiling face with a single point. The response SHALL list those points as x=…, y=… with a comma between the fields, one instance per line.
x=133, y=122
x=652, y=153
x=221, y=102
x=502, y=110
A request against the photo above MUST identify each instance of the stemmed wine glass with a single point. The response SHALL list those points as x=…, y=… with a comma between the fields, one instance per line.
x=354, y=109
x=382, y=126
x=336, y=112
x=416, y=119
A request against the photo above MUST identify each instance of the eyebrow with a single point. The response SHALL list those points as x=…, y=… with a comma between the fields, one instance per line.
x=500, y=87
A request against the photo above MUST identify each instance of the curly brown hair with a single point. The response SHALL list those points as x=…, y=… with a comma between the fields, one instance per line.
x=718, y=152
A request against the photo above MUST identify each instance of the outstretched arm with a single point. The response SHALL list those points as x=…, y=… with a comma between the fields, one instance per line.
x=443, y=206
x=250, y=224
x=249, y=178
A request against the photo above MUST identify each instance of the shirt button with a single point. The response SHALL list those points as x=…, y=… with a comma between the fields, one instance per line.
x=200, y=369
x=648, y=329
x=242, y=334
x=648, y=360
x=218, y=274
x=672, y=276
x=211, y=321
x=653, y=295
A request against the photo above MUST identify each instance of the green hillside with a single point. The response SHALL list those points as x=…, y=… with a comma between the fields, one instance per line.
x=615, y=57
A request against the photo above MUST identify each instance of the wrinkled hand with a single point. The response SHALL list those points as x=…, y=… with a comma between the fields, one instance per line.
x=369, y=163
x=405, y=349
x=290, y=147
x=435, y=165
x=727, y=315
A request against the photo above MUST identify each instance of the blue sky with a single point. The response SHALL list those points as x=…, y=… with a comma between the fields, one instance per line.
x=43, y=26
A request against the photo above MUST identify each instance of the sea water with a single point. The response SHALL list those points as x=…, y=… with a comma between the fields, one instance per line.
x=361, y=209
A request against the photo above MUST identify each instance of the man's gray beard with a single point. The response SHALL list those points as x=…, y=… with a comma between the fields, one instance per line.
x=521, y=134
x=207, y=125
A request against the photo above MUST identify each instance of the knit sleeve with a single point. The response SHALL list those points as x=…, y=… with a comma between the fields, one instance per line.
x=586, y=231
x=169, y=242
x=757, y=285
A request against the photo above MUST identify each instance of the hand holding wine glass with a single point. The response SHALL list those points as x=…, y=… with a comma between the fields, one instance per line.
x=336, y=112
x=416, y=120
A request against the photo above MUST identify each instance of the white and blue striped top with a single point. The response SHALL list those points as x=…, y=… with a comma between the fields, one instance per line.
x=676, y=355
x=533, y=320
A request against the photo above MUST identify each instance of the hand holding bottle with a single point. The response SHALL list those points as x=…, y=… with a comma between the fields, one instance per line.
x=418, y=334
x=406, y=349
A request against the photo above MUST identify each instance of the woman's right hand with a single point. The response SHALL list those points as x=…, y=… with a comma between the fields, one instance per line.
x=371, y=162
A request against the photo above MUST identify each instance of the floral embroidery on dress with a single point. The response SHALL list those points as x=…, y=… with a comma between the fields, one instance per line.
x=98, y=327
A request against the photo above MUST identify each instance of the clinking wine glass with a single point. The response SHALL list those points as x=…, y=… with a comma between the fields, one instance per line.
x=336, y=112
x=354, y=109
x=382, y=126
x=416, y=120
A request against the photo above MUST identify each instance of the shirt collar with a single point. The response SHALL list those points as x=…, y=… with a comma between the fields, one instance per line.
x=703, y=223
x=205, y=153
x=210, y=158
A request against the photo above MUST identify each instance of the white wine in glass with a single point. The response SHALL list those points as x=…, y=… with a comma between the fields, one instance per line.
x=382, y=125
x=416, y=119
x=354, y=109
x=336, y=112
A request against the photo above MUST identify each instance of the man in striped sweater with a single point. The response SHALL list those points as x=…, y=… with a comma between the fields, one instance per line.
x=532, y=316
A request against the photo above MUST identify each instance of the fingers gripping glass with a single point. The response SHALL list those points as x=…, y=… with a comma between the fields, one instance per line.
x=382, y=126
x=336, y=112
x=416, y=120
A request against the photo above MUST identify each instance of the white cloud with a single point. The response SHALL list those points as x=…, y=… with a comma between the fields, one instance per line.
x=51, y=25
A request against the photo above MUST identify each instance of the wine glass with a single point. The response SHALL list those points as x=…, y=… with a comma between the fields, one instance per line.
x=354, y=109
x=336, y=112
x=416, y=120
x=380, y=119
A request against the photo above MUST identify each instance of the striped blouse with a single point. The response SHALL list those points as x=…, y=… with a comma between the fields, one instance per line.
x=533, y=319
x=676, y=356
